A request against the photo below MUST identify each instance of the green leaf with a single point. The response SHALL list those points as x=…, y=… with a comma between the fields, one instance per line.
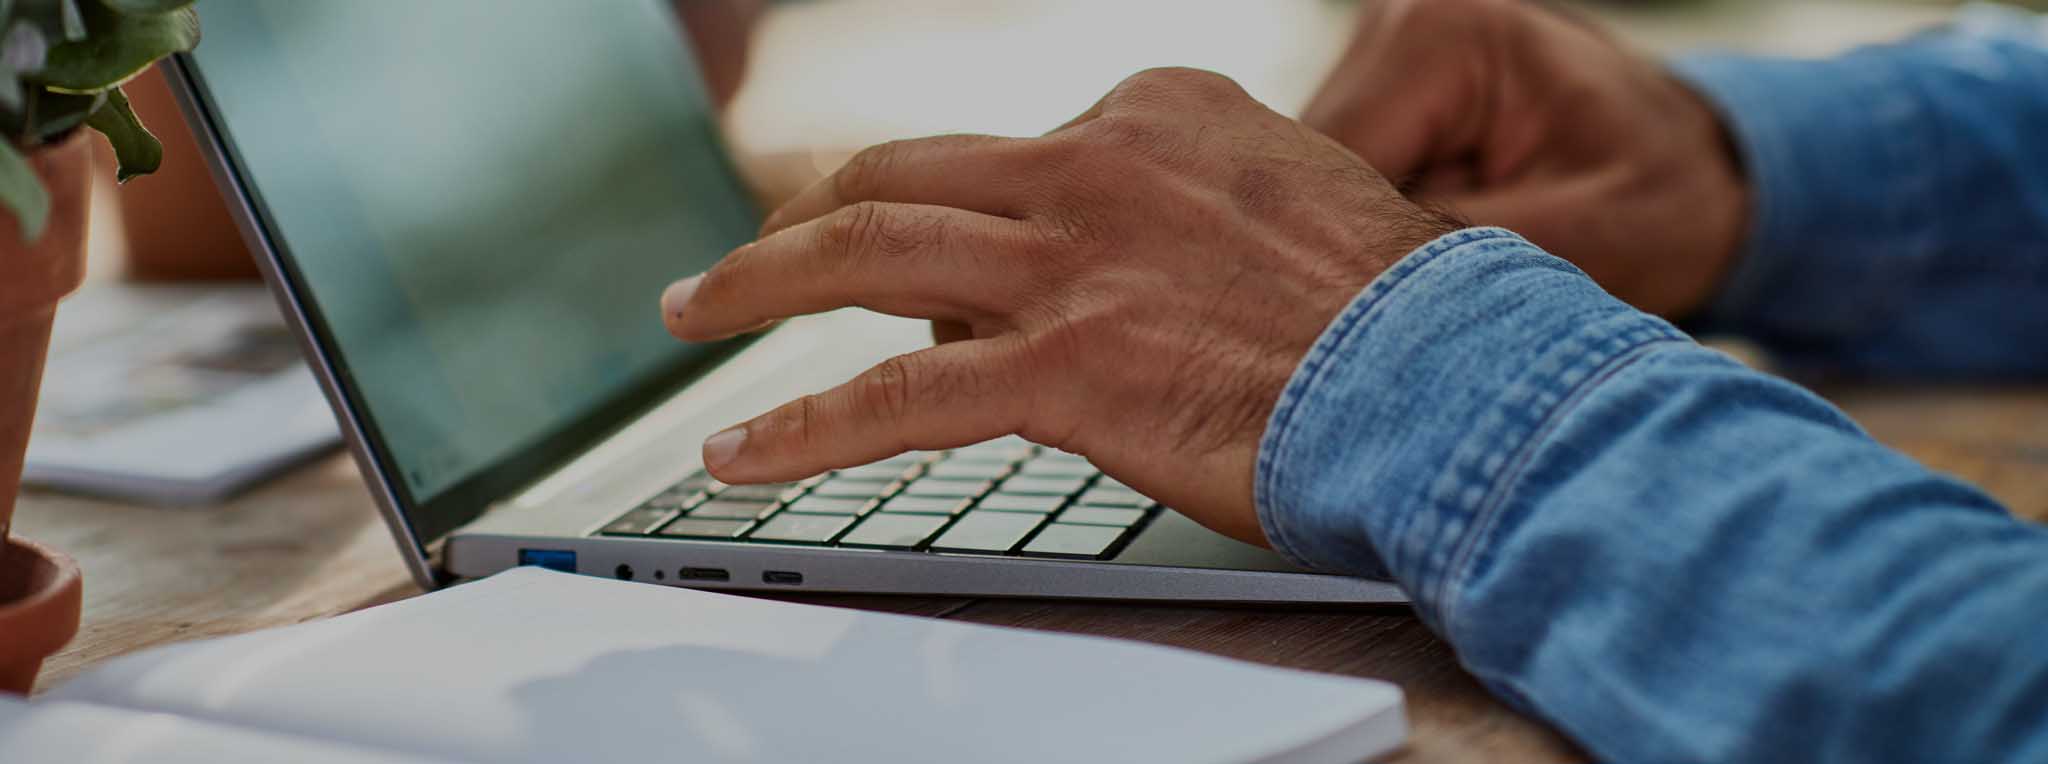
x=23, y=193
x=135, y=150
x=121, y=46
x=58, y=113
x=146, y=6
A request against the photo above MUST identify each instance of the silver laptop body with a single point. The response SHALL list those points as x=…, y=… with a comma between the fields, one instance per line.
x=360, y=195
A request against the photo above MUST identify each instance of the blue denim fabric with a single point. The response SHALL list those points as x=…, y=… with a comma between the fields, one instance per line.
x=1665, y=554
x=1901, y=218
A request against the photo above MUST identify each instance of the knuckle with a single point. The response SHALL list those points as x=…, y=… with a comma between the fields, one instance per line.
x=851, y=230
x=801, y=420
x=1173, y=84
x=1078, y=178
x=1132, y=133
x=887, y=392
x=909, y=233
x=1132, y=146
x=862, y=173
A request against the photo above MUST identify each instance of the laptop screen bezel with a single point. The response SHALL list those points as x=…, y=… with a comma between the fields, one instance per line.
x=470, y=497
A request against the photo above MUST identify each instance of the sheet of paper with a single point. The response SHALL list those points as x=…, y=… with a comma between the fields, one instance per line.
x=173, y=394
x=78, y=733
x=537, y=666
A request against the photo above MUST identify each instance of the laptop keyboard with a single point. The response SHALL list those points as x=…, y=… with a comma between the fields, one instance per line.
x=1004, y=497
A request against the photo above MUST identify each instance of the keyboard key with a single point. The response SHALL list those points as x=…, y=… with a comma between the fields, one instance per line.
x=673, y=500
x=964, y=489
x=1117, y=516
x=721, y=509
x=706, y=529
x=825, y=505
x=1058, y=468
x=1055, y=454
x=1044, y=485
x=887, y=531
x=761, y=492
x=1111, y=497
x=884, y=472
x=925, y=505
x=1019, y=502
x=968, y=470
x=1110, y=482
x=846, y=488
x=1008, y=449
x=637, y=522
x=791, y=528
x=1073, y=541
x=986, y=532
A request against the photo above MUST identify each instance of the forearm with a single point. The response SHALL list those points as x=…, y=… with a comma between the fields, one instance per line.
x=1900, y=216
x=1664, y=553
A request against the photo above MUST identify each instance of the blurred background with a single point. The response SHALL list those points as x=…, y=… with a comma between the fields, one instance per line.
x=802, y=85
x=808, y=82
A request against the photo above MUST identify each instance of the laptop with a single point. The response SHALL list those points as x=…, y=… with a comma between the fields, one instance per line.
x=468, y=209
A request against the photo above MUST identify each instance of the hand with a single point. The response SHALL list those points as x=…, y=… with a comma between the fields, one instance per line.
x=1136, y=287
x=1512, y=114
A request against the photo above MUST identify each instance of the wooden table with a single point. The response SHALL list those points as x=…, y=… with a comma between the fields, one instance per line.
x=311, y=545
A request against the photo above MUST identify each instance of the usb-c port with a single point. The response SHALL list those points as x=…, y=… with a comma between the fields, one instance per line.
x=787, y=577
x=703, y=574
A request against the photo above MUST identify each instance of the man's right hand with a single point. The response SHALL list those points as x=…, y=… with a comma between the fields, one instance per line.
x=1512, y=114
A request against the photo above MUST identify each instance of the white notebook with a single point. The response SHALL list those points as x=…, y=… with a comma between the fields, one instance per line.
x=536, y=666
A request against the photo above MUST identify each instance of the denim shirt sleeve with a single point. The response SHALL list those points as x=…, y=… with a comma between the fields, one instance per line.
x=1665, y=554
x=1900, y=218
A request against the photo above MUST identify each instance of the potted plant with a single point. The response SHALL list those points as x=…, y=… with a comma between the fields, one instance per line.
x=62, y=64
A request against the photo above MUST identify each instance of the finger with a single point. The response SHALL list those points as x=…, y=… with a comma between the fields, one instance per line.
x=900, y=259
x=971, y=172
x=948, y=396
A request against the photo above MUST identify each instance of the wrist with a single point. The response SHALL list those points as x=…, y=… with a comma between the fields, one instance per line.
x=1722, y=197
x=1411, y=408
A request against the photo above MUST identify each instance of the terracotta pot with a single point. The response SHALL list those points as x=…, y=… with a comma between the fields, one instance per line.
x=176, y=224
x=40, y=592
x=36, y=615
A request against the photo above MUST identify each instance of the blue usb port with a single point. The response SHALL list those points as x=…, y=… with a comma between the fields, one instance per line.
x=552, y=559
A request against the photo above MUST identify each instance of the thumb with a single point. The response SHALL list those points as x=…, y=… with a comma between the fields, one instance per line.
x=1399, y=108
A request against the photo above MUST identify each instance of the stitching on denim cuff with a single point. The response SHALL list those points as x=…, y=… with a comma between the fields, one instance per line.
x=1631, y=338
x=1275, y=449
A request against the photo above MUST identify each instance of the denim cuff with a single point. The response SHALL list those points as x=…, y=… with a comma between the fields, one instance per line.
x=1406, y=422
x=1837, y=153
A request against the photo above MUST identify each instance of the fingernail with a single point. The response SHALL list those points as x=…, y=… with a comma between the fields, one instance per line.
x=676, y=296
x=721, y=449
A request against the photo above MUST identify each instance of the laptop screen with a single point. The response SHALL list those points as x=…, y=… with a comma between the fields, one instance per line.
x=478, y=204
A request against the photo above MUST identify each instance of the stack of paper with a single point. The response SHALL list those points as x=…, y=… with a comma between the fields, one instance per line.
x=537, y=666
